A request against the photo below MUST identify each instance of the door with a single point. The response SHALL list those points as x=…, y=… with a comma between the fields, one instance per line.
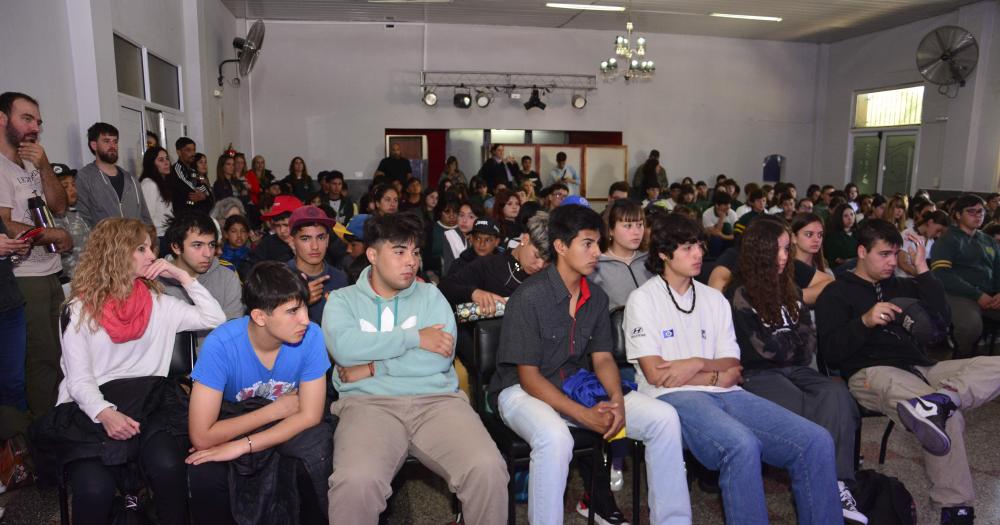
x=173, y=129
x=884, y=161
x=131, y=140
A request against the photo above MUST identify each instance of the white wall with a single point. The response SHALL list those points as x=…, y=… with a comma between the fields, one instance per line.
x=327, y=91
x=36, y=60
x=220, y=119
x=959, y=137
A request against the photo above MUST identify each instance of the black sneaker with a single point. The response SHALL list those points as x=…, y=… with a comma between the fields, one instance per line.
x=601, y=517
x=957, y=515
x=925, y=416
x=850, y=508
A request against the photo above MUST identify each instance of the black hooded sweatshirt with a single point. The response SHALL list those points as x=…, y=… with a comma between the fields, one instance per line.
x=844, y=341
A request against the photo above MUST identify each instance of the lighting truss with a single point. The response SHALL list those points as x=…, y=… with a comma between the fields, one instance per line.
x=506, y=82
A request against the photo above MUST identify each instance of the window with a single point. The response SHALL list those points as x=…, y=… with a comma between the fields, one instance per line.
x=894, y=107
x=128, y=66
x=164, y=86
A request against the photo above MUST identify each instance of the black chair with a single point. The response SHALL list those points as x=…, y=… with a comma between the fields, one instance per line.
x=516, y=451
x=638, y=450
x=181, y=365
x=865, y=413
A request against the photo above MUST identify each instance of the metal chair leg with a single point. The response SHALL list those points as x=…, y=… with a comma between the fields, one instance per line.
x=885, y=441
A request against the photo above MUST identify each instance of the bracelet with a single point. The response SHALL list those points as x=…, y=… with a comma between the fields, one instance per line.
x=371, y=368
x=715, y=378
x=250, y=441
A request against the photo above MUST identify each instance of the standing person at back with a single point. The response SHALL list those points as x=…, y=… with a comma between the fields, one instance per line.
x=103, y=188
x=189, y=190
x=565, y=174
x=25, y=173
x=393, y=168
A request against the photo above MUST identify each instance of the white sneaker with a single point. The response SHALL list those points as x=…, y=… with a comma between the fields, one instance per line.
x=850, y=507
x=617, y=479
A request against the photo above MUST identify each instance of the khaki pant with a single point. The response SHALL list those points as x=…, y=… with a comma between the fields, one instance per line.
x=976, y=380
x=376, y=434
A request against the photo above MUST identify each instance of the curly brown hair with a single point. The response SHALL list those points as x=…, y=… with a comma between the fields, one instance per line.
x=767, y=289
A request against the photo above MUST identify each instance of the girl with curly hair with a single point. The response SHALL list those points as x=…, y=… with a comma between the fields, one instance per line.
x=778, y=342
x=117, y=336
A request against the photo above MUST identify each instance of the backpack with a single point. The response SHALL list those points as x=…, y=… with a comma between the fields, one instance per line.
x=884, y=499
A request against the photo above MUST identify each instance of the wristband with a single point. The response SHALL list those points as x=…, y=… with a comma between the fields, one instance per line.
x=715, y=379
x=371, y=368
x=250, y=441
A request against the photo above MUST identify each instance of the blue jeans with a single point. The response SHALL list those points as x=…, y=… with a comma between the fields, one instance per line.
x=733, y=431
x=13, y=335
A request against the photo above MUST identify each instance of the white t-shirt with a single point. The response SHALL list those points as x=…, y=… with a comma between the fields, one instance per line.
x=159, y=210
x=655, y=327
x=17, y=185
x=709, y=220
x=908, y=245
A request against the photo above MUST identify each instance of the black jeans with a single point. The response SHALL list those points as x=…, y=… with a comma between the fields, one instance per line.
x=162, y=458
x=209, y=485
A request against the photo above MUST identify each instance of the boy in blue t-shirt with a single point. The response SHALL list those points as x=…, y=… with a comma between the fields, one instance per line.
x=273, y=354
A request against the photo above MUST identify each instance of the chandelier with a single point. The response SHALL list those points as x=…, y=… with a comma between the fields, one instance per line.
x=636, y=66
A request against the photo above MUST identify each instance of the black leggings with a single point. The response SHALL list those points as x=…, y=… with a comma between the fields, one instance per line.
x=94, y=484
x=209, y=485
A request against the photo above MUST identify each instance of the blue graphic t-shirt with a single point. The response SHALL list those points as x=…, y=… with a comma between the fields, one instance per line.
x=228, y=363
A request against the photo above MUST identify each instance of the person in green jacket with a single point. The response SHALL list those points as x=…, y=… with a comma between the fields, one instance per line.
x=392, y=340
x=968, y=263
x=838, y=243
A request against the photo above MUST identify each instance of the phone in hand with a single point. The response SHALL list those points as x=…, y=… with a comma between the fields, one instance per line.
x=28, y=235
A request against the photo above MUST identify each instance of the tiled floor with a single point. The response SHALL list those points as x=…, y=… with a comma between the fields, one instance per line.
x=423, y=499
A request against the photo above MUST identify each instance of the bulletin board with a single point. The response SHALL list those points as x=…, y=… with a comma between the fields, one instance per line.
x=547, y=161
x=605, y=165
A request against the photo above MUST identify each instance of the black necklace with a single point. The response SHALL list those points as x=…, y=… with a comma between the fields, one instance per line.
x=694, y=297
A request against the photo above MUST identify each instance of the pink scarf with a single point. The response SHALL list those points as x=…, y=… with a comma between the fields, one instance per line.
x=126, y=320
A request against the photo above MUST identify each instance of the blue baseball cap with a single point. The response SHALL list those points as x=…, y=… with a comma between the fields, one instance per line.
x=356, y=227
x=575, y=199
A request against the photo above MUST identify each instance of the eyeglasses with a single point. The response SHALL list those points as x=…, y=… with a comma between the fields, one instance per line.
x=975, y=211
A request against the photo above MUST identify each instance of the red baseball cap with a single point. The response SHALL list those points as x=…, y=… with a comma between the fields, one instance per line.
x=309, y=215
x=282, y=204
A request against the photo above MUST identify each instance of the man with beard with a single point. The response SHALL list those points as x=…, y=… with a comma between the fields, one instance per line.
x=25, y=173
x=103, y=188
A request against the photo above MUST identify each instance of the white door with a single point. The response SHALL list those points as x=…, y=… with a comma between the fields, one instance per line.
x=173, y=129
x=131, y=140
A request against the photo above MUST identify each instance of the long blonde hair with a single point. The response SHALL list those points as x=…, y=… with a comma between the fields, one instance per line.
x=105, y=269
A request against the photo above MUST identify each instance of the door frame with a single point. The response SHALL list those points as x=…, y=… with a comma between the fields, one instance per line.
x=882, y=133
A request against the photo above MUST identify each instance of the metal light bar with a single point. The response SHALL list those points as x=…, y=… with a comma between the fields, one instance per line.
x=507, y=81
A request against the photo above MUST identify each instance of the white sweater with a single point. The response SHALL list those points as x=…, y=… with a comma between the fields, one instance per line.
x=159, y=210
x=90, y=359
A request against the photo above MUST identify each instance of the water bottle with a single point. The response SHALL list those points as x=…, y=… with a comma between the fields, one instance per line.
x=42, y=217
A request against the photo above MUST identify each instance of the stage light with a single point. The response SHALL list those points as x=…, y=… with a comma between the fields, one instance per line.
x=535, y=101
x=579, y=101
x=462, y=100
x=483, y=98
x=430, y=97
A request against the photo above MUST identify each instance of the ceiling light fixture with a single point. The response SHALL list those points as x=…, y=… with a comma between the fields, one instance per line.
x=483, y=98
x=535, y=101
x=586, y=7
x=430, y=97
x=637, y=66
x=748, y=17
x=462, y=100
x=579, y=100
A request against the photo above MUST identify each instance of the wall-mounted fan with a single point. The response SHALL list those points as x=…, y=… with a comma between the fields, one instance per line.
x=947, y=56
x=247, y=50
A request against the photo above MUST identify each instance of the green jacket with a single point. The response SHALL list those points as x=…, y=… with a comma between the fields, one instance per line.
x=968, y=265
x=839, y=245
x=741, y=225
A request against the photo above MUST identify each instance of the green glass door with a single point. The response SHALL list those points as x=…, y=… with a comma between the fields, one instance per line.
x=897, y=166
x=864, y=162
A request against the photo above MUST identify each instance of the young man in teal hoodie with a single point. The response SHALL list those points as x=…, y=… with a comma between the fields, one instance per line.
x=393, y=341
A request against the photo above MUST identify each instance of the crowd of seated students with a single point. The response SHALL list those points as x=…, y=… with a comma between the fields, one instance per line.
x=321, y=317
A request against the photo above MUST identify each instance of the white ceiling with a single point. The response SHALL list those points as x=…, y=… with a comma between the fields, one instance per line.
x=803, y=20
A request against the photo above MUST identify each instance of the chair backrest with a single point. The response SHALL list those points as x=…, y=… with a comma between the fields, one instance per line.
x=486, y=347
x=182, y=360
x=618, y=334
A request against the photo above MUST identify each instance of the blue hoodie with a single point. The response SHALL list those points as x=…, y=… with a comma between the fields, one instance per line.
x=362, y=327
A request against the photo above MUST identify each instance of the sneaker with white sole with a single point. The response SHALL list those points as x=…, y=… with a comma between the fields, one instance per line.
x=957, y=516
x=613, y=517
x=851, y=513
x=926, y=416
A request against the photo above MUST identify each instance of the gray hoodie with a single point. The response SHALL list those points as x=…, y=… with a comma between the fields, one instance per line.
x=96, y=197
x=618, y=279
x=221, y=281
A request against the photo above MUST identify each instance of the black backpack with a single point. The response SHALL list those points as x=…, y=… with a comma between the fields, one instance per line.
x=884, y=499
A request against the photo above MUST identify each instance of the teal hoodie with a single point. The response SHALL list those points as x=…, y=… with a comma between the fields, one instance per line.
x=362, y=327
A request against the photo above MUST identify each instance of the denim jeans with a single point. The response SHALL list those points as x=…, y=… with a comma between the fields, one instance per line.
x=13, y=334
x=733, y=431
x=552, y=449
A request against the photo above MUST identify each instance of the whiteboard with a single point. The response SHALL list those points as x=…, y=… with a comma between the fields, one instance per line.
x=547, y=161
x=605, y=165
